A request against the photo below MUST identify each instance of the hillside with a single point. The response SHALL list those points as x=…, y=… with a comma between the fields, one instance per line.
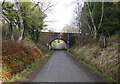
x=105, y=60
x=18, y=57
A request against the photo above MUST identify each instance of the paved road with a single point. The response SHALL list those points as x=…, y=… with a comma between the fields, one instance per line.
x=61, y=68
x=58, y=46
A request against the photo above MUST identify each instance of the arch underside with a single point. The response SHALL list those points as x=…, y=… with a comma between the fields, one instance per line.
x=48, y=37
x=50, y=43
x=57, y=39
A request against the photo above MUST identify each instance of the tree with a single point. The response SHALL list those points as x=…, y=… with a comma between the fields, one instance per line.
x=27, y=17
x=77, y=22
x=18, y=4
x=91, y=9
x=51, y=30
x=9, y=14
x=69, y=29
x=8, y=21
x=95, y=18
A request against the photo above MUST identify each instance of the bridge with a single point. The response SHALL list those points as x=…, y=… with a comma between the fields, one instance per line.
x=48, y=37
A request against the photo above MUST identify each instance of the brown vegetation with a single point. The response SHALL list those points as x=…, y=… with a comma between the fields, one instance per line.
x=104, y=59
x=17, y=56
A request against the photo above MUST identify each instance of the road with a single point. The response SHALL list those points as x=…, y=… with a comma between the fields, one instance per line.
x=62, y=68
x=58, y=46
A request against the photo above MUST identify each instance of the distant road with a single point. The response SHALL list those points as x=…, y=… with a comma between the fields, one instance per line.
x=62, y=68
x=59, y=46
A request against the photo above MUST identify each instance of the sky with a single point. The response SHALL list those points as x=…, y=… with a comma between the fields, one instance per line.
x=61, y=15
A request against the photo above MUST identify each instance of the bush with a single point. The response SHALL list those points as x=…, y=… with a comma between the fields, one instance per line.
x=16, y=57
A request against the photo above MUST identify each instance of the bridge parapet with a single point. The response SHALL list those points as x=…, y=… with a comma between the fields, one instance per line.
x=48, y=37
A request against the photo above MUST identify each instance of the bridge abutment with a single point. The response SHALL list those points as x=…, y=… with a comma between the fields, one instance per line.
x=48, y=37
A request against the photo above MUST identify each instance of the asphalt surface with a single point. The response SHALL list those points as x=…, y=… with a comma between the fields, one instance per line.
x=58, y=46
x=62, y=68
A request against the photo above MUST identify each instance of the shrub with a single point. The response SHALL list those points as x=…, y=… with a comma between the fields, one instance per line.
x=16, y=57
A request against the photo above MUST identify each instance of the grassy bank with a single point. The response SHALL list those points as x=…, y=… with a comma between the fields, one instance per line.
x=106, y=76
x=104, y=61
x=24, y=74
x=19, y=57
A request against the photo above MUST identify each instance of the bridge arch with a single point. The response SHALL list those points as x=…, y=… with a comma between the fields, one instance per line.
x=47, y=37
x=50, y=43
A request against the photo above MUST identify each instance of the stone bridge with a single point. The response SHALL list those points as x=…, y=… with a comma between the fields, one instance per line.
x=48, y=37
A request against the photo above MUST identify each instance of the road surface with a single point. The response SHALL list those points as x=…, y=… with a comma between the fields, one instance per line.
x=62, y=68
x=58, y=46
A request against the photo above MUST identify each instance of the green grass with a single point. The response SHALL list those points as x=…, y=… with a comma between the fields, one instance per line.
x=32, y=65
x=20, y=75
x=107, y=77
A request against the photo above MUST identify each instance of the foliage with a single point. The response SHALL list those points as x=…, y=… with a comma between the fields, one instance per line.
x=33, y=19
x=105, y=60
x=32, y=15
x=109, y=24
x=16, y=57
x=110, y=19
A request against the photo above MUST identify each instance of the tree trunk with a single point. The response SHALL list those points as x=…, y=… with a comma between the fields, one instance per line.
x=11, y=31
x=21, y=35
x=93, y=23
x=99, y=26
x=12, y=37
x=9, y=23
x=18, y=4
x=95, y=36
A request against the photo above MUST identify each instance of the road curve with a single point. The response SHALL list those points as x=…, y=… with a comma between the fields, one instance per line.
x=61, y=68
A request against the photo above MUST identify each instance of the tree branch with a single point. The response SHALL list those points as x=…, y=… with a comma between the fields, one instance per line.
x=91, y=16
x=93, y=9
x=48, y=8
x=6, y=18
x=101, y=16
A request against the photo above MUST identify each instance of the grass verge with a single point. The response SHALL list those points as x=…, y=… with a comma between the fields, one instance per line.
x=106, y=76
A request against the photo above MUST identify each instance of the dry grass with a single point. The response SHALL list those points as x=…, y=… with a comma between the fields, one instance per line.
x=104, y=59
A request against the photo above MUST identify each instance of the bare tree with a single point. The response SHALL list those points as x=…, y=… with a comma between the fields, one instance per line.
x=44, y=6
x=77, y=20
x=91, y=15
x=87, y=29
x=69, y=29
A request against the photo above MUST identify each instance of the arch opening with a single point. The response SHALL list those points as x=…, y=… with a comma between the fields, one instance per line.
x=57, y=44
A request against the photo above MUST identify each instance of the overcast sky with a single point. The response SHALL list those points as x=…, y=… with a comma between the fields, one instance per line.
x=62, y=14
